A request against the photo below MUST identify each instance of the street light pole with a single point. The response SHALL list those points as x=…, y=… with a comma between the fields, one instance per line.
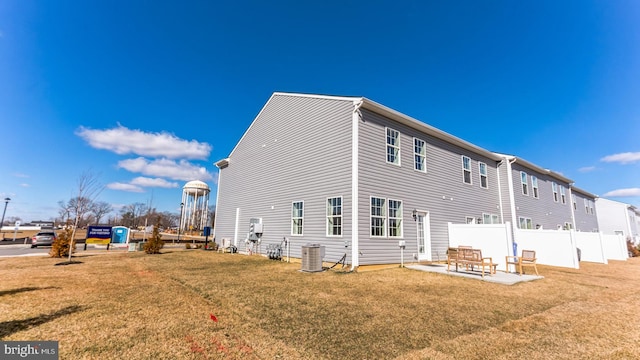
x=6, y=202
x=180, y=225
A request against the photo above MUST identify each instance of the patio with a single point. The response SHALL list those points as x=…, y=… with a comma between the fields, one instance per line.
x=500, y=277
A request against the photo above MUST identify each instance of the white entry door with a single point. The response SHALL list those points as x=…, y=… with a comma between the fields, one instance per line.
x=424, y=236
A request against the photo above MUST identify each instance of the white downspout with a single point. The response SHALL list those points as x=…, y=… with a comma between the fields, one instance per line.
x=355, y=196
x=573, y=213
x=512, y=202
x=500, y=191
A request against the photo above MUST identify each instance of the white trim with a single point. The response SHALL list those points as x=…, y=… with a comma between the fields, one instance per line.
x=572, y=196
x=524, y=185
x=326, y=204
x=470, y=170
x=423, y=155
x=235, y=232
x=217, y=202
x=486, y=174
x=554, y=191
x=426, y=223
x=535, y=189
x=384, y=217
x=301, y=218
x=355, y=196
x=563, y=195
x=401, y=236
x=398, y=146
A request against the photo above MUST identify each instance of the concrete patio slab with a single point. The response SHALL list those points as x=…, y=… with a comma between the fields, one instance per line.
x=500, y=277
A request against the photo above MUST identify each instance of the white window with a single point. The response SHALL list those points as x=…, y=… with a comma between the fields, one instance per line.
x=586, y=206
x=567, y=226
x=466, y=170
x=525, y=184
x=490, y=218
x=334, y=216
x=482, y=169
x=469, y=220
x=419, y=155
x=554, y=189
x=378, y=217
x=525, y=223
x=395, y=218
x=534, y=186
x=297, y=217
x=563, y=195
x=393, y=146
x=591, y=207
x=575, y=203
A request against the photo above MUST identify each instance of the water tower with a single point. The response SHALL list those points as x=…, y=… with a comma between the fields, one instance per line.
x=195, y=206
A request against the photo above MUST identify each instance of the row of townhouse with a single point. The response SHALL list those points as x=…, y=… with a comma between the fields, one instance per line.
x=359, y=178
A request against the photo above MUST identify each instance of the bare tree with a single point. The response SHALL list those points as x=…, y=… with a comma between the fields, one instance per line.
x=100, y=209
x=88, y=190
x=64, y=211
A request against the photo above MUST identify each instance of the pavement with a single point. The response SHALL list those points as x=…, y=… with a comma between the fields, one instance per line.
x=500, y=277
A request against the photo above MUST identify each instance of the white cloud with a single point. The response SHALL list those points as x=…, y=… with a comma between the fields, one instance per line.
x=20, y=175
x=180, y=170
x=25, y=185
x=125, y=187
x=623, y=193
x=122, y=141
x=587, y=169
x=623, y=158
x=153, y=182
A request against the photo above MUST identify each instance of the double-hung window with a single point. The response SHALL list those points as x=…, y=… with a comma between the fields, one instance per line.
x=554, y=189
x=490, y=218
x=419, y=155
x=386, y=218
x=393, y=146
x=525, y=223
x=395, y=218
x=297, y=217
x=591, y=207
x=378, y=217
x=586, y=206
x=534, y=186
x=563, y=195
x=334, y=216
x=525, y=184
x=466, y=169
x=482, y=169
x=575, y=203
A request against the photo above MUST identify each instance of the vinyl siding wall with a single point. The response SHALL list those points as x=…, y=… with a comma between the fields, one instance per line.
x=297, y=149
x=544, y=210
x=585, y=222
x=440, y=190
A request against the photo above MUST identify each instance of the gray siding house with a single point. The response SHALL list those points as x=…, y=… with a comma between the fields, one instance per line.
x=354, y=176
x=533, y=197
x=584, y=209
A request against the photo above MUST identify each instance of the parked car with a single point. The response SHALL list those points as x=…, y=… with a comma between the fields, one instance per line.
x=43, y=238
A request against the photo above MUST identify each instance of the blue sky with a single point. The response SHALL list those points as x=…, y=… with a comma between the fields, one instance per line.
x=149, y=94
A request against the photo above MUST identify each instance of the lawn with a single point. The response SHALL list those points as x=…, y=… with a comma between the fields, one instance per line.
x=194, y=304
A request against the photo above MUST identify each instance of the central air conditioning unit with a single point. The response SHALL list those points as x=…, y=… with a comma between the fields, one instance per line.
x=312, y=255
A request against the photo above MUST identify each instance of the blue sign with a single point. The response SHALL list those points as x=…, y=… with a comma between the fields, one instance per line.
x=98, y=235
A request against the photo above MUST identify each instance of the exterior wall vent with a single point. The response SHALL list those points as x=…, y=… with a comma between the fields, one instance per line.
x=312, y=255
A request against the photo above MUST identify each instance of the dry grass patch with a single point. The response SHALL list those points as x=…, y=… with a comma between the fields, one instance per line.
x=137, y=306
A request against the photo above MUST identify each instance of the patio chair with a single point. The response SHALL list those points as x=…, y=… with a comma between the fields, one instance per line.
x=528, y=258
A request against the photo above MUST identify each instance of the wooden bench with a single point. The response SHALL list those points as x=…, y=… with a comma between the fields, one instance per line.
x=469, y=257
x=528, y=258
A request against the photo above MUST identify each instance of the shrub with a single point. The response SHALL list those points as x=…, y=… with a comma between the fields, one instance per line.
x=62, y=243
x=155, y=243
x=633, y=250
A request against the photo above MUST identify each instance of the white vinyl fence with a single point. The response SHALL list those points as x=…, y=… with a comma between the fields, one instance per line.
x=552, y=247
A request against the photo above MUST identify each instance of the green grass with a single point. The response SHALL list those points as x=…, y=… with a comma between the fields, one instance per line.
x=138, y=306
